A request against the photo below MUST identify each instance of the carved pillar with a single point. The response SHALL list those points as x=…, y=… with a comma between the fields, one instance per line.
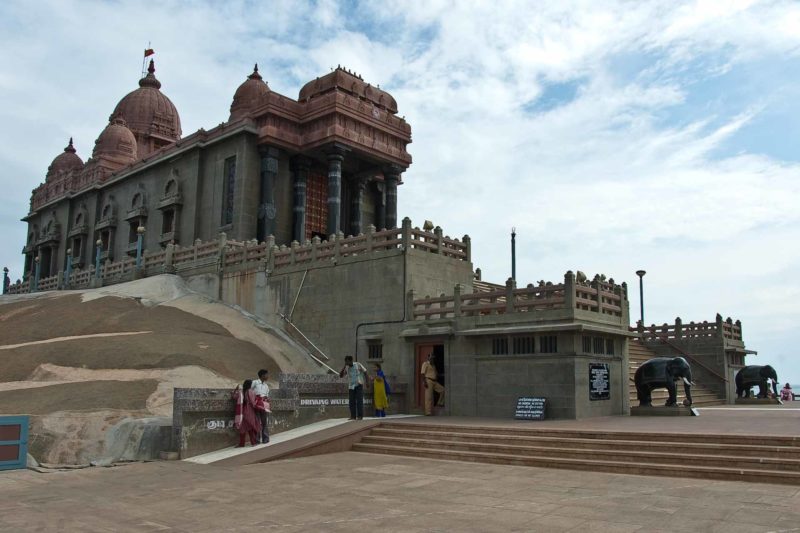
x=335, y=158
x=300, y=167
x=391, y=174
x=357, y=206
x=267, y=210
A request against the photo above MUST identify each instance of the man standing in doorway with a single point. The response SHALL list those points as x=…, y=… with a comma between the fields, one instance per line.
x=261, y=390
x=356, y=378
x=429, y=379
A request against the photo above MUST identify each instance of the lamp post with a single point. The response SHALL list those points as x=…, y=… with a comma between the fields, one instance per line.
x=69, y=268
x=36, y=275
x=514, y=254
x=99, y=244
x=139, y=239
x=641, y=274
x=6, y=281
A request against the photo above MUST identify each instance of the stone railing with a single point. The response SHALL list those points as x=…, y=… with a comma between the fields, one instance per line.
x=596, y=296
x=221, y=254
x=317, y=251
x=727, y=329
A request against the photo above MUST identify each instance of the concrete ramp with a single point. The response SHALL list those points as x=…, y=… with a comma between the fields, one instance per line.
x=326, y=436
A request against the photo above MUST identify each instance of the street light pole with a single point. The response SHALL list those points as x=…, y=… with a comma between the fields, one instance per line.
x=514, y=254
x=139, y=239
x=641, y=274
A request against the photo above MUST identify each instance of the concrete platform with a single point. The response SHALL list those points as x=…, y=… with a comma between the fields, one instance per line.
x=358, y=492
x=677, y=410
x=347, y=491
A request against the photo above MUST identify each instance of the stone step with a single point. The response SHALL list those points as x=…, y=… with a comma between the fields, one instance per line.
x=653, y=445
x=680, y=438
x=595, y=465
x=678, y=459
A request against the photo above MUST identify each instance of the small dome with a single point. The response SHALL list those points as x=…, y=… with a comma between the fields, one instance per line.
x=345, y=81
x=64, y=162
x=148, y=112
x=116, y=142
x=250, y=94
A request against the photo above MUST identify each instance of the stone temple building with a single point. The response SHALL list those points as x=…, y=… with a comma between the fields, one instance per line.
x=329, y=161
x=289, y=211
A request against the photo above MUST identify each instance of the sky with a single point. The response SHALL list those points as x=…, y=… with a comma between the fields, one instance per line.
x=614, y=136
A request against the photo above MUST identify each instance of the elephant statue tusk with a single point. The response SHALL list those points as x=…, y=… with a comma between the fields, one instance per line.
x=688, y=382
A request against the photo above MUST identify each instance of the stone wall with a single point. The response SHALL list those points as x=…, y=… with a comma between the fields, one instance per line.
x=203, y=418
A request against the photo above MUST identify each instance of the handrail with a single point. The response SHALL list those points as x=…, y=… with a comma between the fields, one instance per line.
x=314, y=357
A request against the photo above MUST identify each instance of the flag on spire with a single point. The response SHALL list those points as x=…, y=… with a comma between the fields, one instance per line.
x=148, y=52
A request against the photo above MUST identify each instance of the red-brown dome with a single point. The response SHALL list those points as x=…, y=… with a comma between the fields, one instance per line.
x=149, y=113
x=344, y=80
x=64, y=162
x=250, y=94
x=116, y=142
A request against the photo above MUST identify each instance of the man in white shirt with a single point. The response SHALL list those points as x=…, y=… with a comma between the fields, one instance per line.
x=260, y=388
x=356, y=379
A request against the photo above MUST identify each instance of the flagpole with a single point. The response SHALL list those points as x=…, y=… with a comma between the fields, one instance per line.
x=144, y=59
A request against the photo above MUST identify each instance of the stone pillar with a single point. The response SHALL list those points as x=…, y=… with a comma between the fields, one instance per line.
x=511, y=284
x=391, y=174
x=357, y=206
x=6, y=280
x=300, y=167
x=335, y=158
x=267, y=210
x=380, y=205
x=569, y=292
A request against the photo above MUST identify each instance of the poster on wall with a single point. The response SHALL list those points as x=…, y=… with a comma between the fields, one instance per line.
x=599, y=381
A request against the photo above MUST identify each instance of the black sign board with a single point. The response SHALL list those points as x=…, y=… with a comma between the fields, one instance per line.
x=530, y=408
x=599, y=381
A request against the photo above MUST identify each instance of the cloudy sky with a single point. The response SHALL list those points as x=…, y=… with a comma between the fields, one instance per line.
x=615, y=136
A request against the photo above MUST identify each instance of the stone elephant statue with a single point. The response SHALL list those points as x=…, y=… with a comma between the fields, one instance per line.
x=663, y=372
x=756, y=375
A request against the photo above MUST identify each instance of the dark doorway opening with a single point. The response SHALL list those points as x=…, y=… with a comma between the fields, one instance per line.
x=422, y=351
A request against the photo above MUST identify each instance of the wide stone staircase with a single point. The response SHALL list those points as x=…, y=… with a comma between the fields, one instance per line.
x=638, y=353
x=753, y=458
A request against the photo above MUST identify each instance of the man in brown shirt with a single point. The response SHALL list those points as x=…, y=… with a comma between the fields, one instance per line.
x=429, y=375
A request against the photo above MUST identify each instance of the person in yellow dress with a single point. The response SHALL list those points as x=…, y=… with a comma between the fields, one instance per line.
x=380, y=391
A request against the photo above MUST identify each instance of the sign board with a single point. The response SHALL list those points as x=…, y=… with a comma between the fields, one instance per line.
x=530, y=408
x=599, y=388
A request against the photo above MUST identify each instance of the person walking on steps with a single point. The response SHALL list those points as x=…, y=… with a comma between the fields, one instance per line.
x=431, y=383
x=356, y=379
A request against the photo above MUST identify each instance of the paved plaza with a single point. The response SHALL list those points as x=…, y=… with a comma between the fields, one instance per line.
x=360, y=492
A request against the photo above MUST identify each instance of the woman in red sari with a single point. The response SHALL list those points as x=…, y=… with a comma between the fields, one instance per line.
x=246, y=419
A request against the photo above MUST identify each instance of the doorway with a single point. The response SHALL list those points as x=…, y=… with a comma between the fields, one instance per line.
x=422, y=351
